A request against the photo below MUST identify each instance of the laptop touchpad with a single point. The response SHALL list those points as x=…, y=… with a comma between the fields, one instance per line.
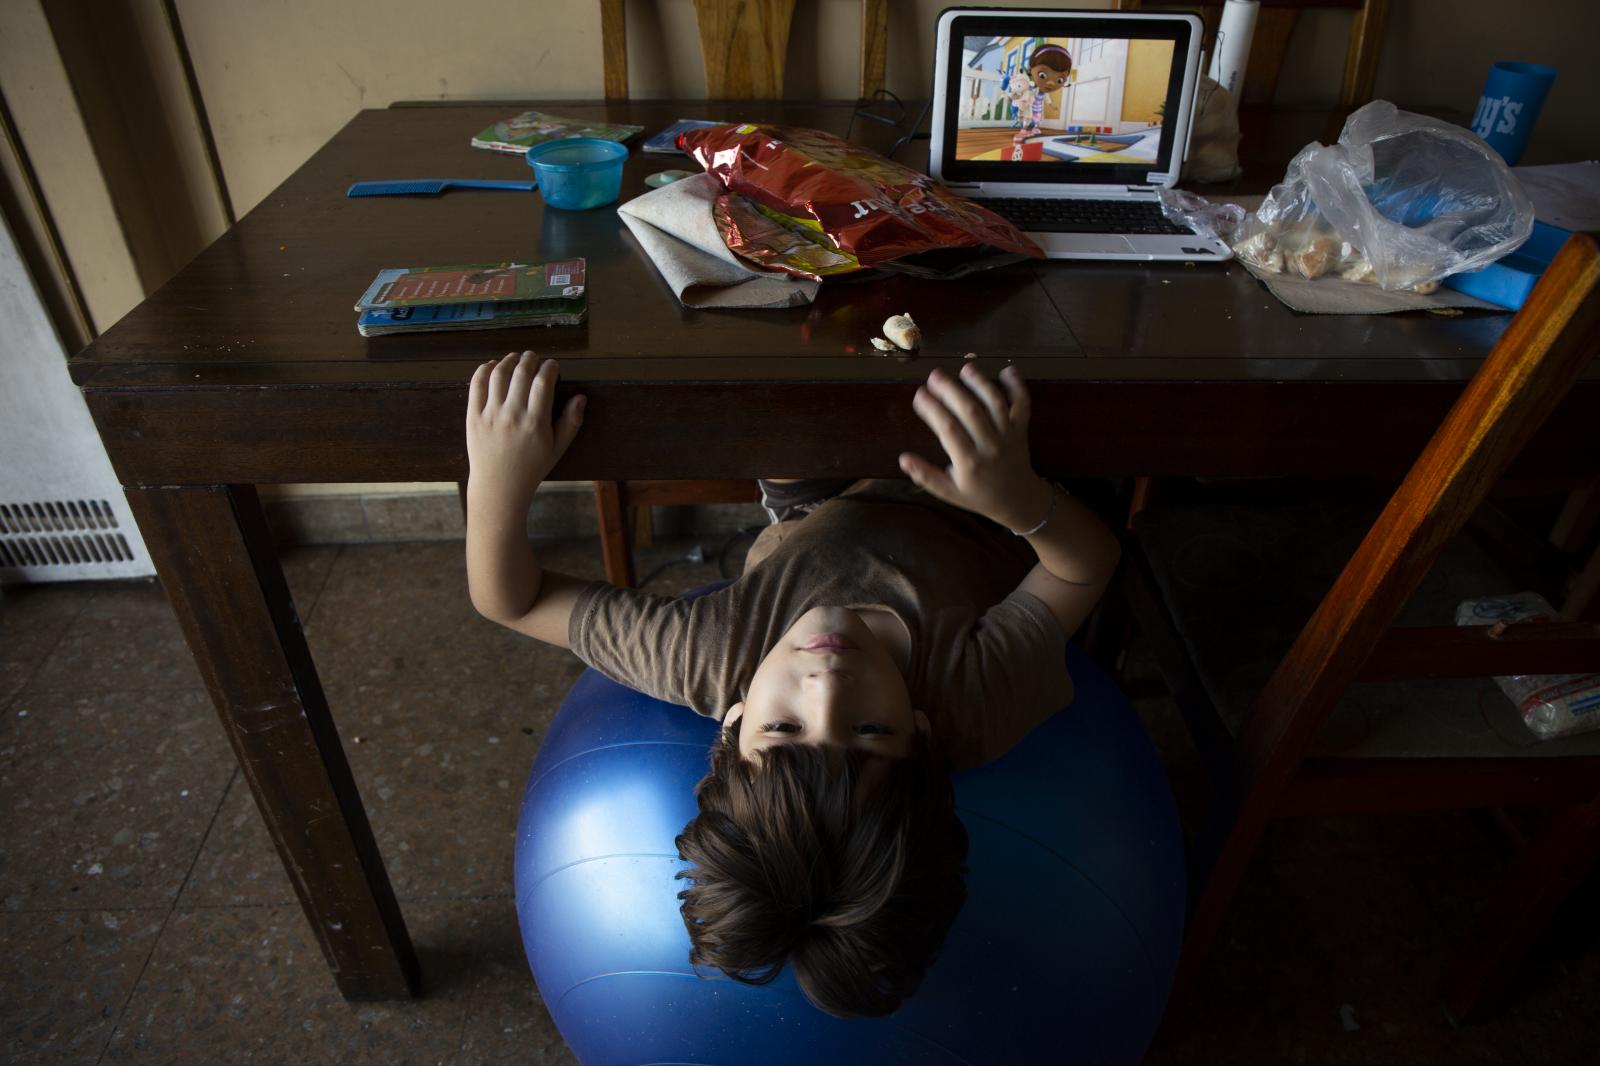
x=1088, y=243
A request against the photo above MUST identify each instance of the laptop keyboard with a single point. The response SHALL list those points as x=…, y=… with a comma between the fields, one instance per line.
x=1060, y=215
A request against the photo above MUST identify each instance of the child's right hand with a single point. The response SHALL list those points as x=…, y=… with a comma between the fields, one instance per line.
x=985, y=433
x=512, y=442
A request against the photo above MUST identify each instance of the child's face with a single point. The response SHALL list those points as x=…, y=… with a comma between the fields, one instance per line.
x=828, y=680
x=1047, y=79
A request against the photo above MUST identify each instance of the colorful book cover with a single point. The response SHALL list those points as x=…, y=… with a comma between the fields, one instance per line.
x=379, y=321
x=475, y=283
x=666, y=141
x=521, y=132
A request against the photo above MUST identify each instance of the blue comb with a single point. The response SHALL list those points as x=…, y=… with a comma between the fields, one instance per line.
x=430, y=186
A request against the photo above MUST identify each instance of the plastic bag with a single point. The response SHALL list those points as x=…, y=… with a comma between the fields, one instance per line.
x=1401, y=199
x=1221, y=221
x=808, y=203
x=1552, y=705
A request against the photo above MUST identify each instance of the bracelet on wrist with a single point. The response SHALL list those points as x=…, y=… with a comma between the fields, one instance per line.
x=1048, y=514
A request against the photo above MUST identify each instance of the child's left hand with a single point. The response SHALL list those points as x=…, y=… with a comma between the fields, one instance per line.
x=983, y=427
x=512, y=444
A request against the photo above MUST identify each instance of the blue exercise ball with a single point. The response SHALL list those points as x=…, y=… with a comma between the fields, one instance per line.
x=1064, y=952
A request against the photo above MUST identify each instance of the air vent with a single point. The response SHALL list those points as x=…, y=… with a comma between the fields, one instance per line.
x=82, y=536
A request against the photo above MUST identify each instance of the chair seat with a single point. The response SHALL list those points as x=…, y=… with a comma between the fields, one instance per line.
x=1240, y=581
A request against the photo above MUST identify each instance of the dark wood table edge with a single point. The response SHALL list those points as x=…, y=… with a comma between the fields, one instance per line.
x=256, y=435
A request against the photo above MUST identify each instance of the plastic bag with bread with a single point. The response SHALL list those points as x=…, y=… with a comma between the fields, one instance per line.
x=1402, y=200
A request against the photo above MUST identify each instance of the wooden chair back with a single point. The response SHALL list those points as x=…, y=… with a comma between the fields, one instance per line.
x=1548, y=345
x=1349, y=638
x=744, y=43
x=1275, y=24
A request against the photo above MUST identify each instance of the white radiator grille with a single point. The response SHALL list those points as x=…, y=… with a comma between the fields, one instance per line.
x=63, y=516
x=80, y=536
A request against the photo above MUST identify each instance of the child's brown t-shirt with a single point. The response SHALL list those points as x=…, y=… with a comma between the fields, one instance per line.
x=987, y=662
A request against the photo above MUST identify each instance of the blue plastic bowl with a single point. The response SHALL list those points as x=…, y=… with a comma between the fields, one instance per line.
x=577, y=173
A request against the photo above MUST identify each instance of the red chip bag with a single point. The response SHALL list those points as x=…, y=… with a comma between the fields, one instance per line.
x=808, y=203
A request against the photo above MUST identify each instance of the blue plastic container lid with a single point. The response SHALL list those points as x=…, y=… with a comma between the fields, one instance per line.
x=576, y=154
x=1508, y=280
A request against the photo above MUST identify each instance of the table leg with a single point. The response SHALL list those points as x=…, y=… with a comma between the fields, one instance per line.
x=213, y=552
x=615, y=543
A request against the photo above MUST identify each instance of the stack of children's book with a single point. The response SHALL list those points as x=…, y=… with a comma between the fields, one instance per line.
x=521, y=132
x=474, y=296
x=666, y=141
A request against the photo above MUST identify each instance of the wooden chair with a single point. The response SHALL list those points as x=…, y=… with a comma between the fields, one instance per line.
x=1275, y=24
x=1284, y=733
x=744, y=43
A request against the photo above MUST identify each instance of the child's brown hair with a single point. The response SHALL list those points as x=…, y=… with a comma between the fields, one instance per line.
x=845, y=865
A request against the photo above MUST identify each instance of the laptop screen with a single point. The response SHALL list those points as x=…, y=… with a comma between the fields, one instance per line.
x=1061, y=99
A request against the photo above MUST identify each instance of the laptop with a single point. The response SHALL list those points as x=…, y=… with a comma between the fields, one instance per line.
x=1067, y=122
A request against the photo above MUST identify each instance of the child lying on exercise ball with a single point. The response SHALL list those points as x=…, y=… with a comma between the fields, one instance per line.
x=881, y=635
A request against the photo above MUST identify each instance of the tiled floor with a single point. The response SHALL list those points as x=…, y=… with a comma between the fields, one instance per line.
x=146, y=918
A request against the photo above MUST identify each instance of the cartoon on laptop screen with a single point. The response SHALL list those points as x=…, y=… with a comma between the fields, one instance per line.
x=1067, y=122
x=1078, y=99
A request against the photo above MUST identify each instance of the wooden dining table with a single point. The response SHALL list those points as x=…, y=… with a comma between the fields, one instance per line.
x=246, y=369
